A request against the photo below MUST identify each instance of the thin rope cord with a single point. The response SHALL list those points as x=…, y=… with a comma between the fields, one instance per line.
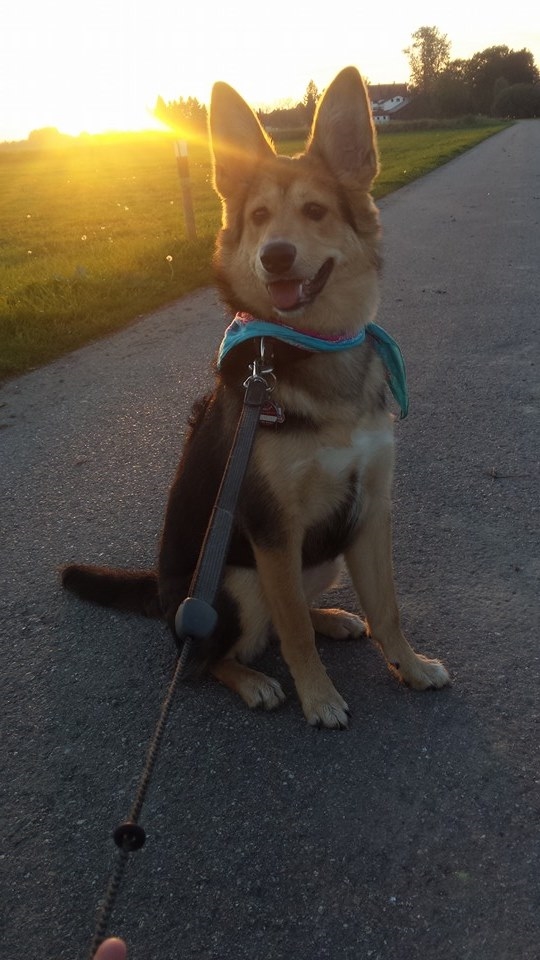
x=107, y=905
x=158, y=734
x=103, y=917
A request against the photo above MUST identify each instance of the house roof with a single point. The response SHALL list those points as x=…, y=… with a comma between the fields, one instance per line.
x=385, y=91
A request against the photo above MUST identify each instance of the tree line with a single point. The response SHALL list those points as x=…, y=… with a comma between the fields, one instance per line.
x=497, y=82
x=189, y=118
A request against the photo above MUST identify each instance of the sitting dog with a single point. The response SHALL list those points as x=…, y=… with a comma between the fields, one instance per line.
x=297, y=261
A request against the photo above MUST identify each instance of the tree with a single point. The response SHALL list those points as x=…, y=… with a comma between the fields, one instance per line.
x=188, y=118
x=451, y=96
x=47, y=137
x=487, y=67
x=311, y=97
x=429, y=56
x=160, y=110
x=518, y=101
x=286, y=117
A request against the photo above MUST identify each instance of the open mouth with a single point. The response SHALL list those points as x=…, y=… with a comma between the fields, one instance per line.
x=289, y=295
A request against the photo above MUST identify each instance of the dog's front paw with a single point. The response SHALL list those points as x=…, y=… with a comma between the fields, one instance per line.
x=421, y=673
x=328, y=710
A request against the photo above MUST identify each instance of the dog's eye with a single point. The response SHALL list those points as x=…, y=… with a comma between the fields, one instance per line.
x=260, y=215
x=314, y=211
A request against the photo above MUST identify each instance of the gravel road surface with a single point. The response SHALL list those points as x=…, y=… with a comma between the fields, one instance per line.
x=415, y=834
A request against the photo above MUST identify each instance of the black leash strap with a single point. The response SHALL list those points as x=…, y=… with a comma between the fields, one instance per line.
x=195, y=620
x=196, y=617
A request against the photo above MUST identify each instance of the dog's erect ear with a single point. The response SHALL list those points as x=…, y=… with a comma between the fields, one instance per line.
x=239, y=142
x=343, y=133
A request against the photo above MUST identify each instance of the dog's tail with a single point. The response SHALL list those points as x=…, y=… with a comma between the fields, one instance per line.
x=130, y=590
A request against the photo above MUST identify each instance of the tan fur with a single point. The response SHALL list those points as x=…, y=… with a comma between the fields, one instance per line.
x=266, y=199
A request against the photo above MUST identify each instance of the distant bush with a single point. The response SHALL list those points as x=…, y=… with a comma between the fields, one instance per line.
x=519, y=101
x=456, y=123
x=47, y=137
x=280, y=134
x=289, y=134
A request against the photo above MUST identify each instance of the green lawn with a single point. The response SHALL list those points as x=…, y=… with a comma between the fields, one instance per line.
x=92, y=233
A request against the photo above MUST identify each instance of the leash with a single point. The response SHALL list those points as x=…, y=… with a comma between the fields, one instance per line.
x=196, y=617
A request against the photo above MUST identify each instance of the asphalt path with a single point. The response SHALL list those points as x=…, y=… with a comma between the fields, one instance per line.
x=415, y=834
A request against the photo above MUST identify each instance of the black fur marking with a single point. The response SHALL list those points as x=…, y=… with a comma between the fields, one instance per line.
x=296, y=422
x=329, y=539
x=196, y=484
x=259, y=515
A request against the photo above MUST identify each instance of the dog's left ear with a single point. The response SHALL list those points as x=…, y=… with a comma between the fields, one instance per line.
x=343, y=132
x=239, y=142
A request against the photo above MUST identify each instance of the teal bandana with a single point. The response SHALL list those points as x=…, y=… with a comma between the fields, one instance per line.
x=245, y=327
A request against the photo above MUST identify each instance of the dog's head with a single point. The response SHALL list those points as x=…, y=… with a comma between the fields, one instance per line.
x=299, y=241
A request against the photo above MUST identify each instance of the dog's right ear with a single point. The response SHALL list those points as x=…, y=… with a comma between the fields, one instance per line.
x=239, y=143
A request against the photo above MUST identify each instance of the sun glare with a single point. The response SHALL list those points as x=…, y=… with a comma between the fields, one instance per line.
x=94, y=118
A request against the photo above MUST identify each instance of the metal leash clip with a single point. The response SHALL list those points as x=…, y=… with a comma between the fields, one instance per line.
x=262, y=368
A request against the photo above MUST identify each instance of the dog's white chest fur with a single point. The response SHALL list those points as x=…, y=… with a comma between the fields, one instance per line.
x=365, y=445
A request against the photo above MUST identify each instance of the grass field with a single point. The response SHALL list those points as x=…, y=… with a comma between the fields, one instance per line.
x=92, y=233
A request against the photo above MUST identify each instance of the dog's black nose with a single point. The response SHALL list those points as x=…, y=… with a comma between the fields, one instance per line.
x=278, y=256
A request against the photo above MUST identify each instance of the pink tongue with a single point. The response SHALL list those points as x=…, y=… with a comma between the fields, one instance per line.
x=285, y=294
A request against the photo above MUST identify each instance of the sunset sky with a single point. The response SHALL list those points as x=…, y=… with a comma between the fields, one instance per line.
x=101, y=65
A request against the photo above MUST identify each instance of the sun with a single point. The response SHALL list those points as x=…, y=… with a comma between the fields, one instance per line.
x=101, y=118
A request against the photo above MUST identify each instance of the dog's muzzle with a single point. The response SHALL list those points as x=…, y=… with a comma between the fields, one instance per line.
x=290, y=293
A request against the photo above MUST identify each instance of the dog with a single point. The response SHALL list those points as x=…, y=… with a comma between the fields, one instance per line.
x=297, y=255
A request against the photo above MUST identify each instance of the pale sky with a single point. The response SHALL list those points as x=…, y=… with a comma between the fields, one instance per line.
x=100, y=65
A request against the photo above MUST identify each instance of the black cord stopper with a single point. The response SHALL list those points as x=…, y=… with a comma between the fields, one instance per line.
x=129, y=836
x=195, y=618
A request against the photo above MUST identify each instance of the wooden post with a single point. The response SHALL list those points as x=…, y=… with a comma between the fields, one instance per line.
x=182, y=165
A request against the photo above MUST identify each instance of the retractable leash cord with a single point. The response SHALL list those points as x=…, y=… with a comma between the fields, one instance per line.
x=196, y=617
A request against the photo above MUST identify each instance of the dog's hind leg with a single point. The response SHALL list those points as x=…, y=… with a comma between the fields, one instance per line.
x=337, y=624
x=255, y=688
x=333, y=623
